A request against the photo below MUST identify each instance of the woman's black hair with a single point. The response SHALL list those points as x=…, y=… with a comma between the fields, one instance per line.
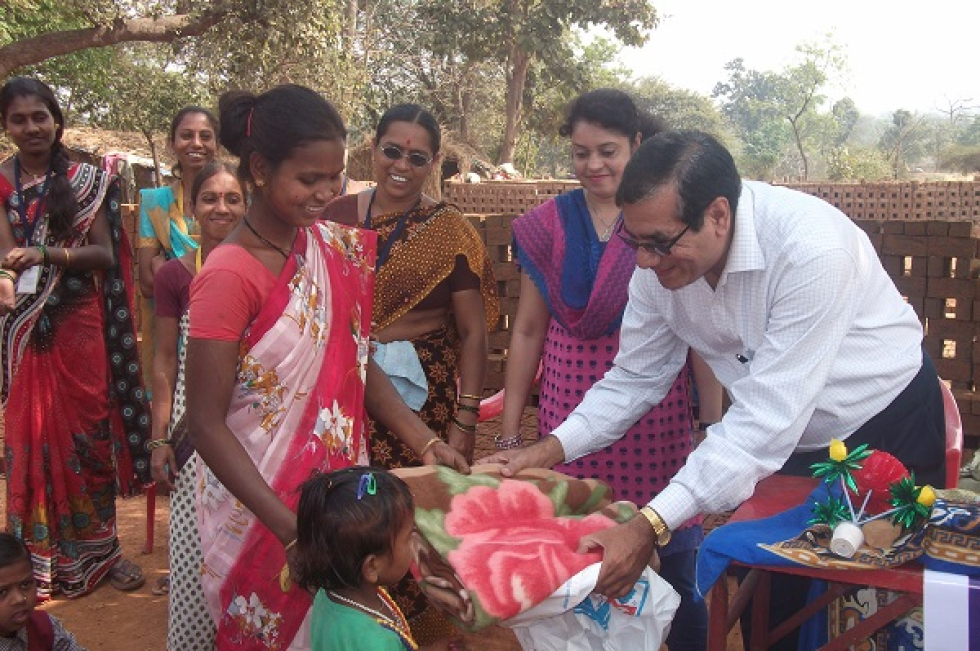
x=213, y=168
x=696, y=162
x=12, y=550
x=339, y=524
x=275, y=123
x=413, y=114
x=60, y=202
x=613, y=110
x=175, y=124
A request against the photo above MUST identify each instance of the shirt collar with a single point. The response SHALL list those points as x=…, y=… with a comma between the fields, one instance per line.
x=745, y=253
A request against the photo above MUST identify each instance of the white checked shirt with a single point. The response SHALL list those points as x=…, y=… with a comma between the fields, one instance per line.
x=805, y=330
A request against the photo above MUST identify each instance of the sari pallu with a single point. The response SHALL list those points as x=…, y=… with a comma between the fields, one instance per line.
x=162, y=223
x=298, y=408
x=76, y=412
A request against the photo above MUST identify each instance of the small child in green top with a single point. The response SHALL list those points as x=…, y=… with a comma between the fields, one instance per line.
x=354, y=529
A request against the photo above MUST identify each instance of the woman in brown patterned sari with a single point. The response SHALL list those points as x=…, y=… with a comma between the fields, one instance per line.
x=435, y=298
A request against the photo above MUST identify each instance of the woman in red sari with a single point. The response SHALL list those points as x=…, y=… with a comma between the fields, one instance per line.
x=277, y=363
x=76, y=413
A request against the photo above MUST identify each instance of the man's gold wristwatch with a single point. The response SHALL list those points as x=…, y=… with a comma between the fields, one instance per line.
x=660, y=529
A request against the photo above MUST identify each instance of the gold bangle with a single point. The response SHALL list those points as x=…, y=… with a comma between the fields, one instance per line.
x=67, y=257
x=660, y=528
x=153, y=444
x=468, y=396
x=473, y=409
x=428, y=446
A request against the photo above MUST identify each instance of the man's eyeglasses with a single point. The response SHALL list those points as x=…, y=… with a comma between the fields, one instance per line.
x=659, y=248
x=415, y=158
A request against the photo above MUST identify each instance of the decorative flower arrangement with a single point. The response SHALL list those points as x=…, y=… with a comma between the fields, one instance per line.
x=883, y=486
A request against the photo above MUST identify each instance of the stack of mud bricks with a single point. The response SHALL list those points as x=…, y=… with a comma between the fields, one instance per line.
x=496, y=233
x=493, y=197
x=941, y=200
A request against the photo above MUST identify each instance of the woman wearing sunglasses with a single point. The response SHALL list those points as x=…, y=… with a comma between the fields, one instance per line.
x=574, y=278
x=434, y=301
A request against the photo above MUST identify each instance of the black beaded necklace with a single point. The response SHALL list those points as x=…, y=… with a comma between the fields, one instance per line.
x=281, y=250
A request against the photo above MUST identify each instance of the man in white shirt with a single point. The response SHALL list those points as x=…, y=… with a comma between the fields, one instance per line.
x=786, y=300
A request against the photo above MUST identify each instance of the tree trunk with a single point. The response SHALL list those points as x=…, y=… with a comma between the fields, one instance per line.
x=518, y=62
x=157, y=175
x=799, y=148
x=464, y=102
x=165, y=29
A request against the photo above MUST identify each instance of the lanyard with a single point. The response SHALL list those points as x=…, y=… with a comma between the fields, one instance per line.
x=199, y=260
x=385, y=252
x=29, y=226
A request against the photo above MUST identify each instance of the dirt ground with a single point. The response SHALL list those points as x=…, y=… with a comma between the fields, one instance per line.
x=109, y=620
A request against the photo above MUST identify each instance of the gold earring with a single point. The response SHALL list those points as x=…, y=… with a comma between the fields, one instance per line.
x=259, y=183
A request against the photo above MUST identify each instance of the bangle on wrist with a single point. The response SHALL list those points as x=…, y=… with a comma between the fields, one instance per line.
x=509, y=443
x=473, y=409
x=468, y=396
x=660, y=528
x=67, y=257
x=44, y=253
x=153, y=444
x=428, y=446
x=9, y=276
x=469, y=429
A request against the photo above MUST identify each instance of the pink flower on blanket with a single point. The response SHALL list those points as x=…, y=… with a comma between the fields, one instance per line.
x=515, y=551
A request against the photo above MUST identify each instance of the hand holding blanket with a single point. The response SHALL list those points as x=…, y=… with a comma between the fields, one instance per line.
x=489, y=547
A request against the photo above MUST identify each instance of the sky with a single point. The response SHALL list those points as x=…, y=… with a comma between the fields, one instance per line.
x=917, y=56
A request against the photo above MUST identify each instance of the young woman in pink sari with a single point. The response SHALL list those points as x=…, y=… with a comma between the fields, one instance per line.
x=277, y=361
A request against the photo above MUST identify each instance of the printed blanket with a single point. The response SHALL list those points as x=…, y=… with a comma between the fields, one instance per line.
x=489, y=547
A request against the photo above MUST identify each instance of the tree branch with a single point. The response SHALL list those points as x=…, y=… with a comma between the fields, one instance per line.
x=165, y=29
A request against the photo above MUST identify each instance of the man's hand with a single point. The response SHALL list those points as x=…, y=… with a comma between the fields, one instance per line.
x=543, y=454
x=627, y=550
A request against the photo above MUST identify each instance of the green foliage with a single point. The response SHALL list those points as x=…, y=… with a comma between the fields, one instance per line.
x=902, y=142
x=681, y=109
x=857, y=164
x=961, y=158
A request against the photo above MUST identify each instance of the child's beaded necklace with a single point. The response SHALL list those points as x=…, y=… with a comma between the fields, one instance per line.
x=396, y=623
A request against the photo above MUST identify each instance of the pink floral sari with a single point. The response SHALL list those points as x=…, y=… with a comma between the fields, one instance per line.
x=298, y=409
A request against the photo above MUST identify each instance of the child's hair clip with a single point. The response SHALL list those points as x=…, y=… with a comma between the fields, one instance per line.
x=367, y=484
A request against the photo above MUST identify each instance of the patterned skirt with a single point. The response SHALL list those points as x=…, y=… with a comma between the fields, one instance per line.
x=189, y=624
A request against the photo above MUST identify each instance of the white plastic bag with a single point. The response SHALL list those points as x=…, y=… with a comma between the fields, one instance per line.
x=574, y=619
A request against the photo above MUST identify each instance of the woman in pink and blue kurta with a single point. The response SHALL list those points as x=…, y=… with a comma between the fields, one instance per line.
x=575, y=274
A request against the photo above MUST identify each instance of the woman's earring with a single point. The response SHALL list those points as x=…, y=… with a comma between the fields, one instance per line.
x=259, y=183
